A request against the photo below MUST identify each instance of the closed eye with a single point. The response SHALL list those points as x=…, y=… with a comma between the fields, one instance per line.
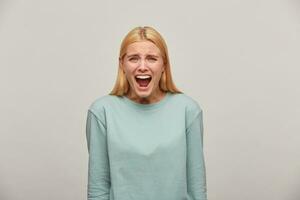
x=133, y=59
x=152, y=59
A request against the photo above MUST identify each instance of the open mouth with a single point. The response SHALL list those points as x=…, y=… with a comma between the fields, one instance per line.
x=143, y=80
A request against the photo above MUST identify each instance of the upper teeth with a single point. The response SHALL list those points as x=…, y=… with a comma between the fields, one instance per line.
x=143, y=77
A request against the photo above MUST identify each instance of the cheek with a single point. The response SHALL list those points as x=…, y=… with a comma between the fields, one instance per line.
x=128, y=71
x=157, y=76
x=158, y=71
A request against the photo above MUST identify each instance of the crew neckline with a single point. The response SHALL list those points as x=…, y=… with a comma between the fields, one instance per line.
x=147, y=106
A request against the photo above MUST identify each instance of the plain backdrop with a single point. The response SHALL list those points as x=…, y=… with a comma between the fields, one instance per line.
x=239, y=59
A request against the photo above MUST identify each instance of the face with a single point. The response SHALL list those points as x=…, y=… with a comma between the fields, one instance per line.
x=143, y=58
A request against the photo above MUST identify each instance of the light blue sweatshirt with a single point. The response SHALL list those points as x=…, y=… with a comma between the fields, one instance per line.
x=145, y=151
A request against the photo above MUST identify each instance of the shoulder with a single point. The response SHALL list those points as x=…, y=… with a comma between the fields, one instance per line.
x=100, y=102
x=192, y=107
x=190, y=103
x=99, y=105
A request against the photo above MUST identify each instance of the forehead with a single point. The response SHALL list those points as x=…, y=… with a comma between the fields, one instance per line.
x=142, y=47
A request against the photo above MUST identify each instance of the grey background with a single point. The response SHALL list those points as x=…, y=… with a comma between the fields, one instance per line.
x=238, y=59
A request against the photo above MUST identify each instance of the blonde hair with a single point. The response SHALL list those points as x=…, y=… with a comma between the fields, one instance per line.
x=138, y=34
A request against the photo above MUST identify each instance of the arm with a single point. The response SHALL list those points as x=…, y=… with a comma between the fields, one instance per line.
x=98, y=165
x=196, y=172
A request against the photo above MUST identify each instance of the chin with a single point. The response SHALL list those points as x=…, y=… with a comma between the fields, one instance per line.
x=143, y=94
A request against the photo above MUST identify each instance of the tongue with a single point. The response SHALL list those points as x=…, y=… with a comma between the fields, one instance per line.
x=143, y=82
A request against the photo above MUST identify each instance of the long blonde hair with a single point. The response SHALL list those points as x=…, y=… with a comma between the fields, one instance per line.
x=137, y=34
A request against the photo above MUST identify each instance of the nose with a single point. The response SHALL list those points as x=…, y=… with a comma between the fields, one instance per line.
x=142, y=65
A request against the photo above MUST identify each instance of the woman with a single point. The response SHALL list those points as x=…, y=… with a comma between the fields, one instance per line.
x=145, y=138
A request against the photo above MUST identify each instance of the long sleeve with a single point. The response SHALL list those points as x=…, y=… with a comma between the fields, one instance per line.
x=98, y=164
x=196, y=172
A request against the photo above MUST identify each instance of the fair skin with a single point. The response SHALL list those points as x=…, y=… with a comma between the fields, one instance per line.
x=143, y=58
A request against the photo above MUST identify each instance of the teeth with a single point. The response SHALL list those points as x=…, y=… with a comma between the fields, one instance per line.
x=143, y=77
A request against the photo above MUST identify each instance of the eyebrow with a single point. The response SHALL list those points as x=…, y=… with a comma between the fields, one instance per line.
x=130, y=55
